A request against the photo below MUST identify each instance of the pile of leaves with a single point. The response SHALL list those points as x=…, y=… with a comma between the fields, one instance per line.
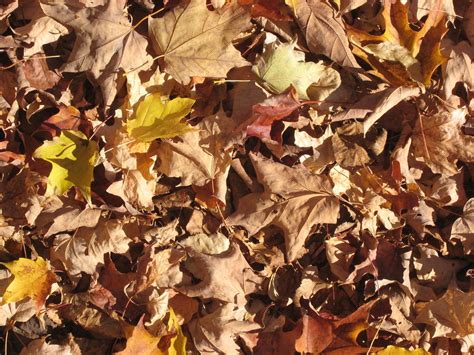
x=237, y=176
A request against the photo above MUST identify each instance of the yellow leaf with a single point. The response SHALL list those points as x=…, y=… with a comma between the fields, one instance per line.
x=291, y=4
x=401, y=55
x=140, y=341
x=33, y=279
x=73, y=158
x=178, y=343
x=395, y=350
x=153, y=119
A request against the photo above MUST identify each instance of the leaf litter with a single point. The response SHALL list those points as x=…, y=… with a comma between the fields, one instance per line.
x=236, y=177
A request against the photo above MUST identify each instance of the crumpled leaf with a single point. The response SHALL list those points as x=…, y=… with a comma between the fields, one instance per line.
x=307, y=200
x=272, y=109
x=324, y=31
x=73, y=157
x=33, y=279
x=197, y=41
x=154, y=119
x=401, y=55
x=84, y=250
x=463, y=228
x=200, y=156
x=281, y=66
x=219, y=330
x=439, y=141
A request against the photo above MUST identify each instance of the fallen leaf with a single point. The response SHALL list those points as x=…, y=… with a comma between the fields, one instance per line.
x=226, y=276
x=272, y=109
x=140, y=341
x=463, y=228
x=439, y=141
x=106, y=43
x=197, y=41
x=72, y=157
x=84, y=250
x=450, y=316
x=154, y=119
x=178, y=343
x=324, y=31
x=302, y=191
x=200, y=156
x=396, y=350
x=219, y=330
x=281, y=67
x=401, y=55
x=33, y=279
x=459, y=67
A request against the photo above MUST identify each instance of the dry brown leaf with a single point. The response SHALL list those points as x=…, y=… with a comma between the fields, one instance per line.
x=463, y=228
x=105, y=43
x=198, y=42
x=439, y=141
x=306, y=200
x=316, y=17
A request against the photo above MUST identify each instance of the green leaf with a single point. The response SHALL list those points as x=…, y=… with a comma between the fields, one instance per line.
x=281, y=66
x=153, y=119
x=178, y=343
x=73, y=158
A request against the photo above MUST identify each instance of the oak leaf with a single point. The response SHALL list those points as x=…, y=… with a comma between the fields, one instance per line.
x=197, y=42
x=33, y=279
x=72, y=157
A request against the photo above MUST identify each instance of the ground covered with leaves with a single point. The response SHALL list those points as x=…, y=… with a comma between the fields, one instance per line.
x=236, y=176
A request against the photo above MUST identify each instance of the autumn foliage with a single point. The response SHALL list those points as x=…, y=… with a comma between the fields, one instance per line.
x=236, y=177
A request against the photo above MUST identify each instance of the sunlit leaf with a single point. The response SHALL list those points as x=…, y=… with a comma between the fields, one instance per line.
x=154, y=119
x=33, y=279
x=178, y=343
x=72, y=157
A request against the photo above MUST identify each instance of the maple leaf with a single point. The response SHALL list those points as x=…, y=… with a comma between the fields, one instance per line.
x=197, y=42
x=272, y=109
x=33, y=279
x=154, y=119
x=306, y=200
x=401, y=55
x=140, y=341
x=106, y=43
x=281, y=66
x=72, y=157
